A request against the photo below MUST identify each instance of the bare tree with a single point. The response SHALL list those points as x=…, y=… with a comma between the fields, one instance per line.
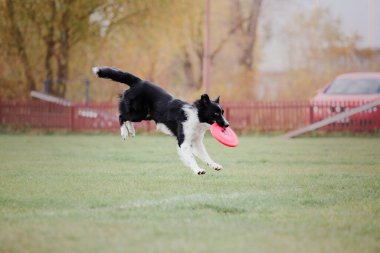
x=246, y=25
x=17, y=40
x=242, y=29
x=49, y=41
x=59, y=26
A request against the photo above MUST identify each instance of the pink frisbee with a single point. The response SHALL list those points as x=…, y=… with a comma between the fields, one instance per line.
x=226, y=136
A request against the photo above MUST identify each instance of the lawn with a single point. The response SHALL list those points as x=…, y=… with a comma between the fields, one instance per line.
x=96, y=193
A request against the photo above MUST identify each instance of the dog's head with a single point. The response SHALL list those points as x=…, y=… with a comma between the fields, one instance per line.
x=210, y=111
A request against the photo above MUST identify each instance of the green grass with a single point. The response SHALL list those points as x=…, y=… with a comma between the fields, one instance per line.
x=89, y=193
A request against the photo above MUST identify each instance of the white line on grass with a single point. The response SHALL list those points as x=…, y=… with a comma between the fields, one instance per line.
x=164, y=203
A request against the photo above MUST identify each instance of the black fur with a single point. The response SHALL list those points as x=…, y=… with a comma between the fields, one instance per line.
x=210, y=111
x=117, y=76
x=146, y=101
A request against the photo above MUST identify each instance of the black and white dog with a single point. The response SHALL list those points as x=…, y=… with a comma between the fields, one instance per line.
x=188, y=122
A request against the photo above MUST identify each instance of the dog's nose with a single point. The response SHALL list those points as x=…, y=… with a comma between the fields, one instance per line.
x=226, y=125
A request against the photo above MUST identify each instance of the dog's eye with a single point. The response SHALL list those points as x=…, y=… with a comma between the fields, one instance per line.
x=216, y=114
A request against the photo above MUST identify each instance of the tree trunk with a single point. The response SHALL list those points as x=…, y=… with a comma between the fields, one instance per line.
x=50, y=44
x=247, y=56
x=63, y=52
x=248, y=31
x=188, y=69
x=20, y=46
x=199, y=54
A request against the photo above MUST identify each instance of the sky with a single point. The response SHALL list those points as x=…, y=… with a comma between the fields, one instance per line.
x=352, y=13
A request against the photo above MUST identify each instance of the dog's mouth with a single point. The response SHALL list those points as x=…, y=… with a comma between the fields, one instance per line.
x=224, y=126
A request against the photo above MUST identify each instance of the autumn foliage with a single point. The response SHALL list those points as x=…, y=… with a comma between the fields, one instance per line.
x=58, y=41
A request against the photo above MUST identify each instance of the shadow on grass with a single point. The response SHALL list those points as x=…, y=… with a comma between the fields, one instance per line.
x=219, y=209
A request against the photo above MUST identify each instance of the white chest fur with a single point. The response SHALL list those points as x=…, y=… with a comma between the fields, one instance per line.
x=194, y=129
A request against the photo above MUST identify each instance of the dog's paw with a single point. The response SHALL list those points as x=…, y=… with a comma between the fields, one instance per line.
x=124, y=132
x=201, y=172
x=215, y=166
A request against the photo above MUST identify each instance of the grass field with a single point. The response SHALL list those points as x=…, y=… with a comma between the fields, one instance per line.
x=89, y=193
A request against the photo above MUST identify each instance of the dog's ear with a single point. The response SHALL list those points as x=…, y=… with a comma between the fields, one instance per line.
x=217, y=100
x=205, y=99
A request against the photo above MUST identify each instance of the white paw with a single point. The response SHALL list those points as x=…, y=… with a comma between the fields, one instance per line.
x=215, y=166
x=130, y=128
x=124, y=132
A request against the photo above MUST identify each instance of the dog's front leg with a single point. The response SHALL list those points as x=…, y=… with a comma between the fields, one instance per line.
x=200, y=151
x=184, y=152
x=185, y=135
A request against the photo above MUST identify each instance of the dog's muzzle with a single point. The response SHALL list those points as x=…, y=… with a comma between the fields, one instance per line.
x=223, y=122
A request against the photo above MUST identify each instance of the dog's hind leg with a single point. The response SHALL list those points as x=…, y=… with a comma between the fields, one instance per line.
x=127, y=129
x=123, y=128
x=130, y=128
x=124, y=131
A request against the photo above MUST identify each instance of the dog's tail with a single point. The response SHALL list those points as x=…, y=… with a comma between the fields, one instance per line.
x=116, y=75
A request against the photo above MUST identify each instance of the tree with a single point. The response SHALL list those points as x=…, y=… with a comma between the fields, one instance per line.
x=242, y=29
x=14, y=26
x=245, y=26
x=192, y=47
x=59, y=40
x=58, y=27
x=61, y=24
x=318, y=50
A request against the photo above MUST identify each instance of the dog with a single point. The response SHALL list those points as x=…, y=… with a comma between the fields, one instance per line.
x=187, y=122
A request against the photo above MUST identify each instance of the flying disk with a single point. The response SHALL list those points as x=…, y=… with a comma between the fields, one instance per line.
x=226, y=136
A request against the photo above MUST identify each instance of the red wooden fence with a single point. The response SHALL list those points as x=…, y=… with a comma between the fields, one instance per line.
x=267, y=116
x=243, y=117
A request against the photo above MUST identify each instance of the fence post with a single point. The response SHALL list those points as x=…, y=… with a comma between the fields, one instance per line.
x=72, y=117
